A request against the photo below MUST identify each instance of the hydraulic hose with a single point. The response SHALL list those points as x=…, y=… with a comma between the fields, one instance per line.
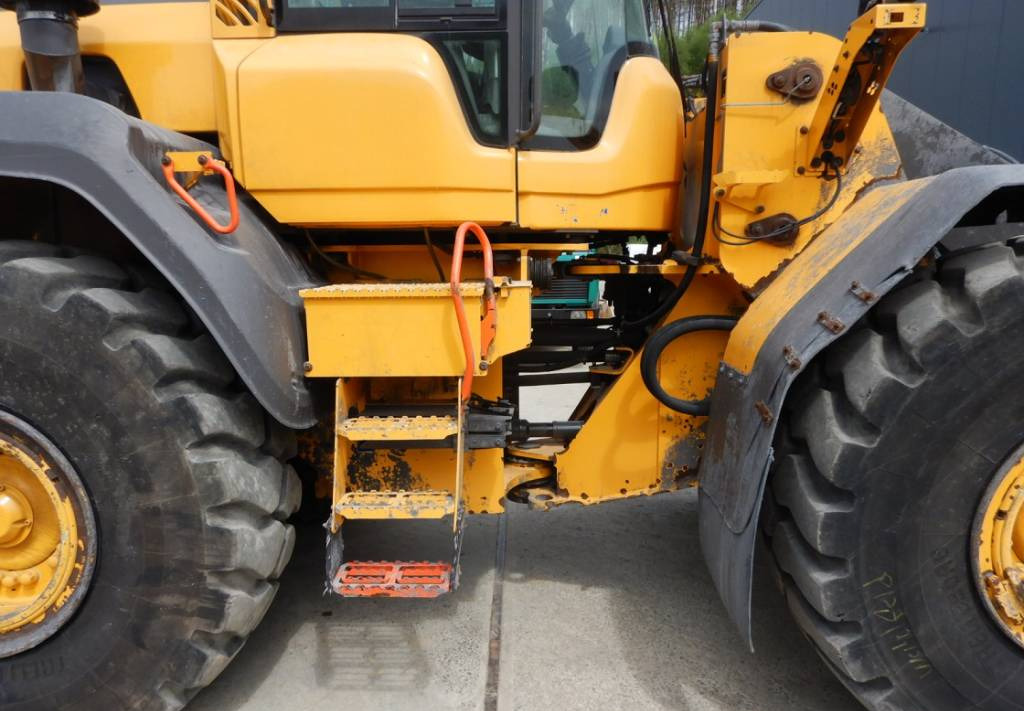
x=659, y=341
x=707, y=165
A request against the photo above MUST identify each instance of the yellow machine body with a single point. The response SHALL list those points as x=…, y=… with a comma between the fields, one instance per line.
x=354, y=328
x=365, y=131
x=384, y=141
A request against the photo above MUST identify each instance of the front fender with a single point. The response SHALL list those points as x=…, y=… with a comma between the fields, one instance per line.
x=828, y=287
x=243, y=286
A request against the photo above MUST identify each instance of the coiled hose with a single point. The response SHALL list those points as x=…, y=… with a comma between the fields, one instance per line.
x=659, y=341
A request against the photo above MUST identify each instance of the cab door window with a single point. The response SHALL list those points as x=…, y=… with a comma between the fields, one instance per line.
x=584, y=45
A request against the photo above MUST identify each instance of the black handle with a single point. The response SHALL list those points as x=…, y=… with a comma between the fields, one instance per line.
x=536, y=96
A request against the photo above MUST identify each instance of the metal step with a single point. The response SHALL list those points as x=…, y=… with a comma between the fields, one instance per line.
x=393, y=579
x=395, y=505
x=385, y=429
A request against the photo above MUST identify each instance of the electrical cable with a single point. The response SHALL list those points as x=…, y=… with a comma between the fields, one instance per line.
x=745, y=240
x=433, y=255
x=338, y=263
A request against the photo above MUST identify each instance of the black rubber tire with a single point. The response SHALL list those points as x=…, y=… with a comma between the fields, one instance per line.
x=888, y=444
x=186, y=478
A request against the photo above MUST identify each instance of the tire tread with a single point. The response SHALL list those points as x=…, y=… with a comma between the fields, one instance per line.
x=245, y=489
x=837, y=409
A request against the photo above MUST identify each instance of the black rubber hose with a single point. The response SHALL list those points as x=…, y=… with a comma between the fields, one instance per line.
x=707, y=165
x=756, y=26
x=660, y=340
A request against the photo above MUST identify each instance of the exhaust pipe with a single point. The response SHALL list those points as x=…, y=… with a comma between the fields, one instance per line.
x=49, y=40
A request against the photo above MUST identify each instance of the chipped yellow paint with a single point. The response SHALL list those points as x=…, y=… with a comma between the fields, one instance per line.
x=379, y=429
x=632, y=445
x=822, y=256
x=39, y=544
x=894, y=26
x=487, y=478
x=431, y=470
x=761, y=154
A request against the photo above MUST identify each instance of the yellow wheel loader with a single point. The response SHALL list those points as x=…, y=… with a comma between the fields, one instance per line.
x=242, y=238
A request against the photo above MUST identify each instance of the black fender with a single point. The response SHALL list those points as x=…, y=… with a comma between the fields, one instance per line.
x=242, y=286
x=825, y=289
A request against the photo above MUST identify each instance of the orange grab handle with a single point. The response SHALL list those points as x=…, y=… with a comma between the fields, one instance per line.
x=229, y=186
x=489, y=322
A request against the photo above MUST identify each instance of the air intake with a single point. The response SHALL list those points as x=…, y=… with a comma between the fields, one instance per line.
x=241, y=18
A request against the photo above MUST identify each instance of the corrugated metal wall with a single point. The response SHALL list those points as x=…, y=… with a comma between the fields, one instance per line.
x=966, y=68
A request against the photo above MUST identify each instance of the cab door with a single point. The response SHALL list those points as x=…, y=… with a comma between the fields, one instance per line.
x=607, y=154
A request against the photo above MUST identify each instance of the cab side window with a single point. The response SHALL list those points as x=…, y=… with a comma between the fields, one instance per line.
x=476, y=64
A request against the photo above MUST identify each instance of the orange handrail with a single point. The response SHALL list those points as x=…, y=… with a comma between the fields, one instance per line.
x=229, y=186
x=489, y=322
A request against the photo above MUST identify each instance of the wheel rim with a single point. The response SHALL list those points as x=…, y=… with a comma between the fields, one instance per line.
x=999, y=550
x=47, y=537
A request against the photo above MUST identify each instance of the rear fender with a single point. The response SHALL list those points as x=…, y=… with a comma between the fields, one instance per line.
x=827, y=288
x=242, y=286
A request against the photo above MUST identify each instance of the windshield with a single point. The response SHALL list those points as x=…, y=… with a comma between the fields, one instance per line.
x=584, y=46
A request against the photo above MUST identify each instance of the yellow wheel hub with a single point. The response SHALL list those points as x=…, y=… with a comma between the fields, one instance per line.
x=999, y=554
x=15, y=517
x=38, y=540
x=47, y=537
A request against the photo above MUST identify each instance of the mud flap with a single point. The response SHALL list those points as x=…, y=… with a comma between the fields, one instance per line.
x=825, y=290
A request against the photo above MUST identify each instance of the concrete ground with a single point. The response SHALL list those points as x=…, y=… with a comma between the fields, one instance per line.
x=609, y=607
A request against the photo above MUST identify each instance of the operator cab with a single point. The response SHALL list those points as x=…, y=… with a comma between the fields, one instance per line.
x=532, y=114
x=489, y=48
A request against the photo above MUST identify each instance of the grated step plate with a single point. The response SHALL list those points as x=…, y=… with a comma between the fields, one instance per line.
x=393, y=579
x=377, y=505
x=383, y=429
